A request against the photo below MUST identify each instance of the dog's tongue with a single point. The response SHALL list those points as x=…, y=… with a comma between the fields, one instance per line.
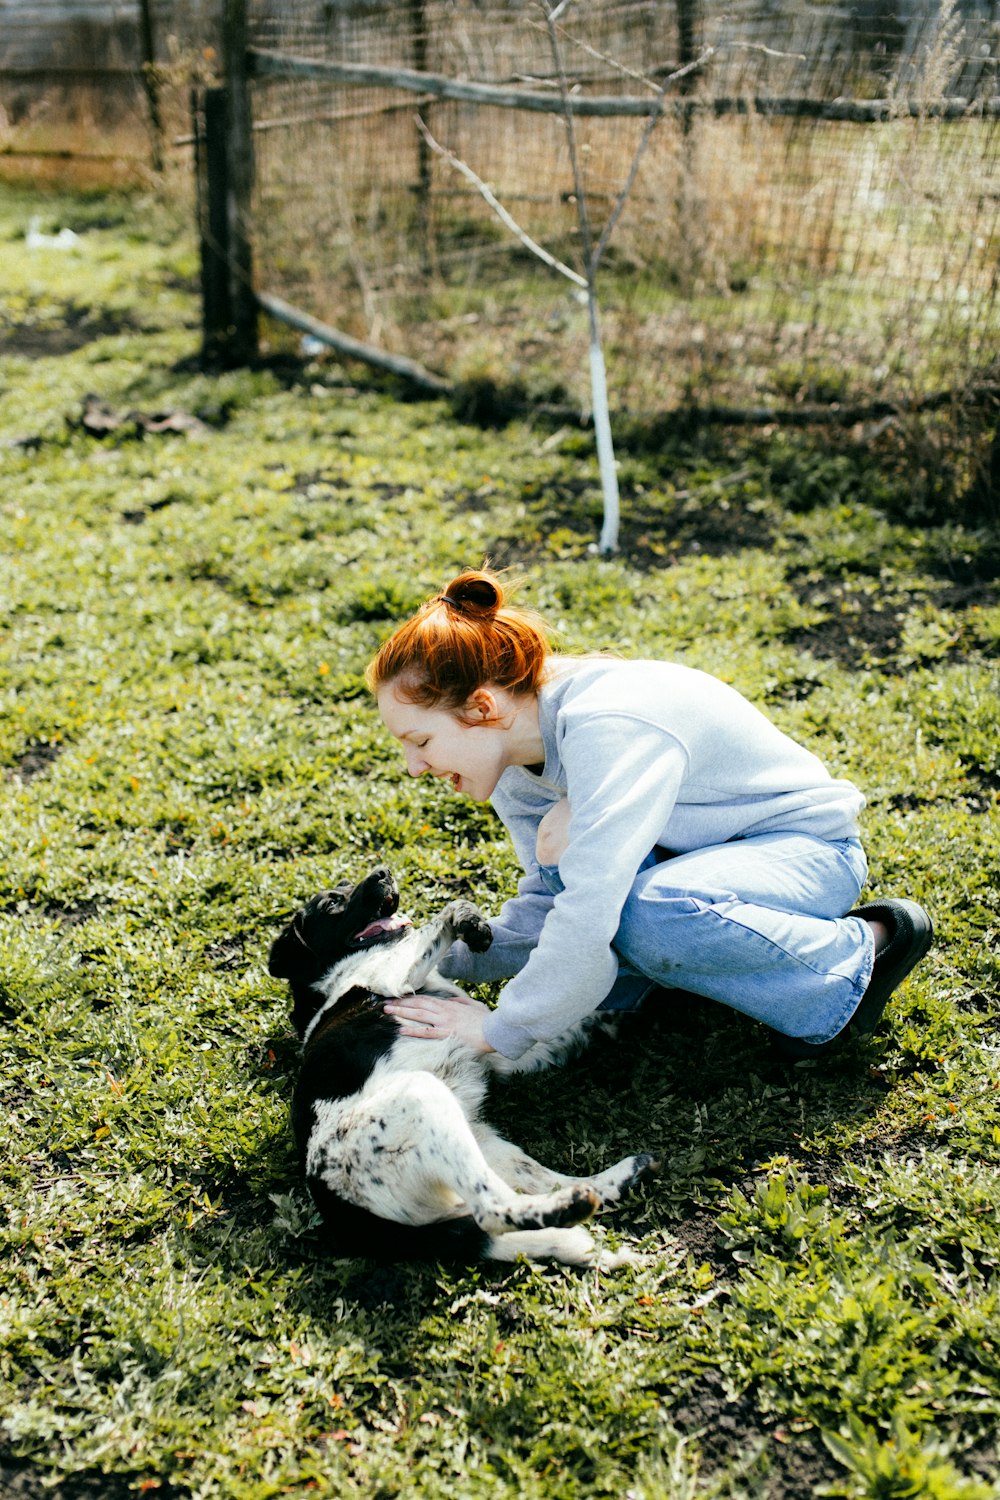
x=383, y=924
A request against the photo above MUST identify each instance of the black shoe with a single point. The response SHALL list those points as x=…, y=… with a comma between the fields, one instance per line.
x=910, y=934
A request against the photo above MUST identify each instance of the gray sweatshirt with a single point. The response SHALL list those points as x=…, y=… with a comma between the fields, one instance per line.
x=648, y=753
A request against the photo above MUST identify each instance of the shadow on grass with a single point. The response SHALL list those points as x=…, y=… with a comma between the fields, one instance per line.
x=696, y=1085
x=692, y=1082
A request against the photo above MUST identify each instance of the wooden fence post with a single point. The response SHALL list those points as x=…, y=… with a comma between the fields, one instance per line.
x=687, y=41
x=418, y=20
x=208, y=113
x=224, y=169
x=687, y=51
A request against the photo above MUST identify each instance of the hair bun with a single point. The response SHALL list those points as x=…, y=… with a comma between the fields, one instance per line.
x=464, y=638
x=476, y=593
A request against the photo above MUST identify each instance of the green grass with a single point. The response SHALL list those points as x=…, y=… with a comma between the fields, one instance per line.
x=187, y=753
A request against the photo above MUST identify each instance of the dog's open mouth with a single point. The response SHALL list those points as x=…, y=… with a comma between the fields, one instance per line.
x=381, y=930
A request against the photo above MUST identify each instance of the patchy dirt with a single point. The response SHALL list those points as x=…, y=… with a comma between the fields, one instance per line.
x=321, y=484
x=71, y=914
x=44, y=339
x=35, y=761
x=229, y=954
x=726, y=1427
x=859, y=634
x=699, y=1235
x=137, y=516
x=863, y=621
x=20, y=1479
x=712, y=529
x=653, y=533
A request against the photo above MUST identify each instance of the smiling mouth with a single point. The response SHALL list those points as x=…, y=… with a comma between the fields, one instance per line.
x=380, y=930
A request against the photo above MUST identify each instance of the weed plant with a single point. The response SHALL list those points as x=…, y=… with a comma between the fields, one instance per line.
x=187, y=753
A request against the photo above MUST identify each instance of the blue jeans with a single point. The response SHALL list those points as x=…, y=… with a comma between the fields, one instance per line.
x=757, y=924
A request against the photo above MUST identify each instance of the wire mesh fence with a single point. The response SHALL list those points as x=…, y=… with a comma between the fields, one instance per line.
x=813, y=222
x=811, y=230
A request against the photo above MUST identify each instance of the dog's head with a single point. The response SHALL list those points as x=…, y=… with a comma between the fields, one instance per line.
x=333, y=925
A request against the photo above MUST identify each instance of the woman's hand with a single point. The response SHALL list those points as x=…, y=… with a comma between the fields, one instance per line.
x=432, y=1018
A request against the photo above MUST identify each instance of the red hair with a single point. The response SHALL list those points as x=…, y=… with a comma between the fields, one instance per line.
x=463, y=639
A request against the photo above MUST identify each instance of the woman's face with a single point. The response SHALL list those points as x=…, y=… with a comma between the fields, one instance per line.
x=467, y=749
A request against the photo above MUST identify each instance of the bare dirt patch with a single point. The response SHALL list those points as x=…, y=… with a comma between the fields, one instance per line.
x=44, y=339
x=35, y=761
x=654, y=532
x=729, y=1427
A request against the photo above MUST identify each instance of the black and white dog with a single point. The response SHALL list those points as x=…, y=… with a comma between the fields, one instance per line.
x=397, y=1159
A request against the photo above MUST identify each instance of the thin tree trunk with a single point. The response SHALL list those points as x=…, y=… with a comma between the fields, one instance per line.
x=608, y=542
x=150, y=84
x=418, y=20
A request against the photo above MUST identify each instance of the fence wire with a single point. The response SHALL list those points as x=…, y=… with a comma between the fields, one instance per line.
x=767, y=255
x=812, y=227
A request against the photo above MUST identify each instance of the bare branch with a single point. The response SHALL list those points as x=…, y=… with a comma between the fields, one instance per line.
x=619, y=106
x=583, y=218
x=344, y=343
x=603, y=57
x=768, y=51
x=651, y=124
x=498, y=208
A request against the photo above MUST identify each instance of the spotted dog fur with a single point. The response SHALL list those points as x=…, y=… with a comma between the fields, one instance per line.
x=388, y=1127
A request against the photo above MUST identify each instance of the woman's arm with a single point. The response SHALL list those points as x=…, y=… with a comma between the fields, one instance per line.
x=517, y=926
x=623, y=776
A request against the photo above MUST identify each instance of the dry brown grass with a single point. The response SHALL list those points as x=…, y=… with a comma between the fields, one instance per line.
x=747, y=243
x=758, y=260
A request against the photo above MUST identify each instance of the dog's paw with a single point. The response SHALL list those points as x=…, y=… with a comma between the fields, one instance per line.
x=614, y=1182
x=647, y=1167
x=470, y=925
x=477, y=932
x=580, y=1202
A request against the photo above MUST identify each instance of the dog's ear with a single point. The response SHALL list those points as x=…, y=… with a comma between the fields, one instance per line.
x=287, y=955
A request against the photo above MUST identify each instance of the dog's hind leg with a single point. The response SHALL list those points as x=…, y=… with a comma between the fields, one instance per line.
x=519, y=1170
x=570, y=1247
x=526, y=1175
x=407, y=1152
x=613, y=1183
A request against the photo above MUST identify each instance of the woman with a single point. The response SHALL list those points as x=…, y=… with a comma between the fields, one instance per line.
x=670, y=836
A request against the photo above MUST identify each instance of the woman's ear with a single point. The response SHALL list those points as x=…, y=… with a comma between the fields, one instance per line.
x=482, y=707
